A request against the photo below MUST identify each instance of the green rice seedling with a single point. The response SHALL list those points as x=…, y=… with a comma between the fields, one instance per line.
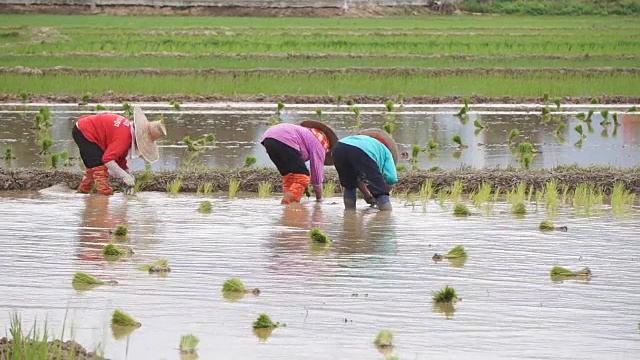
x=445, y=295
x=175, y=104
x=389, y=127
x=85, y=279
x=457, y=252
x=389, y=105
x=143, y=179
x=551, y=197
x=45, y=144
x=64, y=156
x=512, y=135
x=539, y=196
x=206, y=140
x=581, y=116
x=466, y=101
x=578, y=143
x=565, y=194
x=111, y=250
x=400, y=167
x=319, y=114
x=8, y=154
x=24, y=96
x=188, y=344
x=463, y=111
x=517, y=194
x=173, y=187
x=558, y=272
x=426, y=191
x=525, y=148
x=249, y=161
x=280, y=107
x=191, y=145
x=557, y=102
x=443, y=195
x=530, y=194
x=273, y=120
x=339, y=99
x=128, y=110
x=478, y=124
x=234, y=186
x=205, y=207
x=415, y=151
x=579, y=130
x=547, y=225
x=100, y=107
x=431, y=145
x=318, y=237
x=384, y=339
x=120, y=230
x=545, y=111
x=456, y=191
x=545, y=98
x=518, y=209
x=264, y=322
x=85, y=98
x=458, y=140
x=605, y=118
x=560, y=128
x=632, y=109
x=120, y=318
x=585, y=196
x=482, y=195
x=233, y=285
x=158, y=266
x=594, y=100
x=589, y=115
x=526, y=160
x=328, y=189
x=461, y=209
x=614, y=116
x=622, y=199
x=356, y=112
x=350, y=102
x=400, y=99
x=264, y=189
x=54, y=160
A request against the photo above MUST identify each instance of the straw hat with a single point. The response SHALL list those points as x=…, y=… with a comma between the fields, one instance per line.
x=147, y=132
x=384, y=138
x=328, y=132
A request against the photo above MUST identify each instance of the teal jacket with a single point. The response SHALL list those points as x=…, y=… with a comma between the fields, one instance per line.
x=378, y=152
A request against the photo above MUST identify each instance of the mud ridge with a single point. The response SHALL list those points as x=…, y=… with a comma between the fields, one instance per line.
x=70, y=350
x=37, y=179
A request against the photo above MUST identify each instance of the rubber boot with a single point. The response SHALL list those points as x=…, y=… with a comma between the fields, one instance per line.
x=349, y=198
x=384, y=203
x=101, y=177
x=86, y=182
x=300, y=183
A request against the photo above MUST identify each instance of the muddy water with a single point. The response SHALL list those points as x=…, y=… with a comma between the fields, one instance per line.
x=238, y=128
x=510, y=309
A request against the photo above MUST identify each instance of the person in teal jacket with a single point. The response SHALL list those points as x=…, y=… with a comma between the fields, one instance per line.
x=367, y=161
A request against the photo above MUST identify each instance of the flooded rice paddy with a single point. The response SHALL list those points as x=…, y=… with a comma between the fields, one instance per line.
x=238, y=128
x=377, y=274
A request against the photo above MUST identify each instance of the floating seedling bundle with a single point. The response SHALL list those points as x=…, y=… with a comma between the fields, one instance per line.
x=461, y=209
x=122, y=324
x=158, y=266
x=112, y=252
x=120, y=231
x=559, y=273
x=188, y=344
x=233, y=289
x=445, y=295
x=547, y=225
x=264, y=322
x=384, y=341
x=83, y=281
x=318, y=237
x=204, y=207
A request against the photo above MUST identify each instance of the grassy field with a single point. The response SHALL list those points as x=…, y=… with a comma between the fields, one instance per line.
x=462, y=42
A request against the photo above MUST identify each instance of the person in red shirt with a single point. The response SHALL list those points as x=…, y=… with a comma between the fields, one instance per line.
x=106, y=140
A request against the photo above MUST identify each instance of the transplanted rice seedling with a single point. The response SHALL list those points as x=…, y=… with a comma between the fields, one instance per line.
x=389, y=105
x=54, y=160
x=205, y=207
x=614, y=116
x=100, y=107
x=587, y=119
x=264, y=189
x=234, y=186
x=233, y=285
x=557, y=102
x=585, y=196
x=85, y=98
x=158, y=266
x=24, y=96
x=594, y=100
x=547, y=225
x=426, y=192
x=605, y=118
x=175, y=104
x=415, y=151
x=188, y=344
x=551, y=197
x=45, y=144
x=389, y=127
x=478, y=124
x=558, y=272
x=249, y=161
x=446, y=295
x=173, y=187
x=512, y=135
x=8, y=154
x=431, y=145
x=482, y=195
x=143, y=179
x=622, y=200
x=632, y=109
x=318, y=237
x=458, y=140
x=120, y=318
x=280, y=107
x=328, y=189
x=384, y=339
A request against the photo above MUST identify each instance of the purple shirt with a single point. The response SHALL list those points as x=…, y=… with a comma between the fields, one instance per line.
x=303, y=140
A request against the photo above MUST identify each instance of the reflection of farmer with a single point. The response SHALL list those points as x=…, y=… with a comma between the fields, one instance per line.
x=367, y=162
x=105, y=140
x=366, y=233
x=97, y=220
x=289, y=146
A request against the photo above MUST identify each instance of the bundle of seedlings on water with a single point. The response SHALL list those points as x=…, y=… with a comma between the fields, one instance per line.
x=519, y=209
x=111, y=251
x=173, y=187
x=85, y=98
x=234, y=186
x=100, y=107
x=560, y=272
x=81, y=278
x=24, y=96
x=188, y=344
x=8, y=154
x=632, y=109
x=478, y=124
x=512, y=135
x=318, y=237
x=384, y=339
x=264, y=189
x=389, y=105
x=264, y=322
x=249, y=161
x=446, y=295
x=175, y=104
x=204, y=207
x=120, y=318
x=547, y=225
x=319, y=114
x=235, y=285
x=461, y=209
x=328, y=189
x=158, y=266
x=120, y=230
x=458, y=140
x=389, y=127
x=457, y=252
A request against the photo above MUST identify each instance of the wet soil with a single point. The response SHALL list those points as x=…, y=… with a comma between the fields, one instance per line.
x=111, y=97
x=37, y=179
x=70, y=350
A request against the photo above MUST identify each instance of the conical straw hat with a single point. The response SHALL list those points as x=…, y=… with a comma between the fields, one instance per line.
x=147, y=132
x=328, y=132
x=384, y=138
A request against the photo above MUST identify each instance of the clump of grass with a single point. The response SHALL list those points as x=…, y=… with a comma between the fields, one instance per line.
x=457, y=252
x=461, y=209
x=233, y=285
x=120, y=230
x=560, y=272
x=264, y=322
x=204, y=207
x=318, y=237
x=328, y=189
x=264, y=189
x=446, y=295
x=234, y=186
x=384, y=339
x=173, y=187
x=111, y=250
x=188, y=344
x=158, y=266
x=519, y=209
x=249, y=161
x=120, y=318
x=512, y=135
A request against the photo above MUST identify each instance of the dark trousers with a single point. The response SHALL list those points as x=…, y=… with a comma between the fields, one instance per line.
x=354, y=165
x=90, y=152
x=287, y=159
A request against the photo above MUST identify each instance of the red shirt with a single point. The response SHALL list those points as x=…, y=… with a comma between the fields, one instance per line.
x=111, y=132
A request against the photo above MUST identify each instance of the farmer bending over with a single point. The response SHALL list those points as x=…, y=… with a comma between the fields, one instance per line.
x=106, y=140
x=289, y=146
x=367, y=161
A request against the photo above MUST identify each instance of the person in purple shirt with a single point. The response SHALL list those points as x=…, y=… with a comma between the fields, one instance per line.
x=289, y=146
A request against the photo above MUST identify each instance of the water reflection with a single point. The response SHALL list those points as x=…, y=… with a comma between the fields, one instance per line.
x=97, y=221
x=367, y=232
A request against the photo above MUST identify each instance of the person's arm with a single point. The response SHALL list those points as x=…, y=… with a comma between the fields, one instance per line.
x=112, y=159
x=316, y=162
x=389, y=169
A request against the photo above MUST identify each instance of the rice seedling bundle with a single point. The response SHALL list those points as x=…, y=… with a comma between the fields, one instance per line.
x=120, y=318
x=188, y=343
x=234, y=186
x=233, y=285
x=318, y=237
x=328, y=189
x=384, y=339
x=445, y=295
x=264, y=322
x=264, y=189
